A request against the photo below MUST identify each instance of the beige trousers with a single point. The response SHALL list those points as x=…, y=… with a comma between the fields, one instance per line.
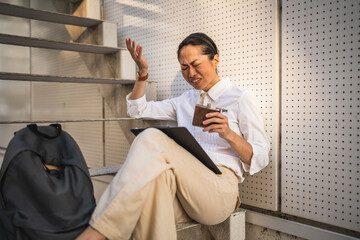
x=159, y=185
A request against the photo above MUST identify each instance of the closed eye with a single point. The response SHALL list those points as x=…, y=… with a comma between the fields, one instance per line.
x=184, y=67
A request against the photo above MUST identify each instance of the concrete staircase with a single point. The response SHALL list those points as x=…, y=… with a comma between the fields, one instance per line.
x=115, y=71
x=97, y=43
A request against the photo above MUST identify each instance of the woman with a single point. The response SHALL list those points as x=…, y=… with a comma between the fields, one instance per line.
x=160, y=183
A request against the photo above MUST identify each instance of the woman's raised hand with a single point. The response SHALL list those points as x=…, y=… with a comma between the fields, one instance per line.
x=136, y=54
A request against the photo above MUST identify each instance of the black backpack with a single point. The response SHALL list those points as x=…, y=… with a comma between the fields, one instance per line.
x=37, y=201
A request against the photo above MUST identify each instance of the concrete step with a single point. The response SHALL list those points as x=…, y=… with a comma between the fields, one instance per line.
x=58, y=45
x=64, y=121
x=100, y=183
x=41, y=15
x=68, y=79
x=110, y=170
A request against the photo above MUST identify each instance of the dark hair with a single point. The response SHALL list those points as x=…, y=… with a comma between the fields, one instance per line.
x=200, y=39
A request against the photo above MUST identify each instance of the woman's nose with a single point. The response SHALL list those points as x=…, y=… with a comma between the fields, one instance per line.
x=192, y=72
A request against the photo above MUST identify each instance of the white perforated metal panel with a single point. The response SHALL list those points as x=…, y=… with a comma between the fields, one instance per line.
x=245, y=32
x=320, y=111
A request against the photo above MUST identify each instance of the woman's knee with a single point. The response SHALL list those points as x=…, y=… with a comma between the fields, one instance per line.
x=150, y=138
x=151, y=133
x=210, y=216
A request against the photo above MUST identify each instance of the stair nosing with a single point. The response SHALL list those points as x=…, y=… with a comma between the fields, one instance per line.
x=55, y=78
x=57, y=45
x=100, y=171
x=42, y=15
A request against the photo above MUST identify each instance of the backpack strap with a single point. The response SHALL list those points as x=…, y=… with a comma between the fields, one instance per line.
x=34, y=128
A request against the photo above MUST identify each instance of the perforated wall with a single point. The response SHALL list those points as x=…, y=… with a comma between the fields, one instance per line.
x=245, y=32
x=320, y=111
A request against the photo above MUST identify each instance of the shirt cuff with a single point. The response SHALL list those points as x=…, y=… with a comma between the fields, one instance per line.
x=259, y=160
x=135, y=107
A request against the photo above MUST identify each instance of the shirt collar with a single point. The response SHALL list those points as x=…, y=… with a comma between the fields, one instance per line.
x=218, y=89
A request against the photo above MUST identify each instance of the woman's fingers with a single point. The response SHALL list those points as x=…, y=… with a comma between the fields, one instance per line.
x=217, y=122
x=139, y=51
x=135, y=50
x=220, y=128
x=133, y=45
x=136, y=54
x=129, y=44
x=215, y=117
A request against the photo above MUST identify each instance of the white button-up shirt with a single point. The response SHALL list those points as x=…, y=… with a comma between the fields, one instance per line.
x=242, y=112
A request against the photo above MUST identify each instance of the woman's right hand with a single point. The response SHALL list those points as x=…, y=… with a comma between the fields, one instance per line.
x=136, y=54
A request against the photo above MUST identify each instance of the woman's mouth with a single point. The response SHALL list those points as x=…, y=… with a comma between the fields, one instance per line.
x=195, y=80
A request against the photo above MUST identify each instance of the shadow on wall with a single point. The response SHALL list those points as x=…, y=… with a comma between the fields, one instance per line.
x=179, y=85
x=130, y=10
x=128, y=26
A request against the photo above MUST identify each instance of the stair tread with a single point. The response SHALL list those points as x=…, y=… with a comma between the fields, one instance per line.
x=31, y=13
x=186, y=225
x=53, y=78
x=95, y=172
x=59, y=45
x=112, y=170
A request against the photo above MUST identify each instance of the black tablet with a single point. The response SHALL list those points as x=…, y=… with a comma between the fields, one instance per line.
x=183, y=137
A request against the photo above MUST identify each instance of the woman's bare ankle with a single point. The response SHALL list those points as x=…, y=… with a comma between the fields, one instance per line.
x=90, y=233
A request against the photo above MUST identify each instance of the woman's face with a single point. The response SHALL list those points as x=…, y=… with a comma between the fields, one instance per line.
x=197, y=69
